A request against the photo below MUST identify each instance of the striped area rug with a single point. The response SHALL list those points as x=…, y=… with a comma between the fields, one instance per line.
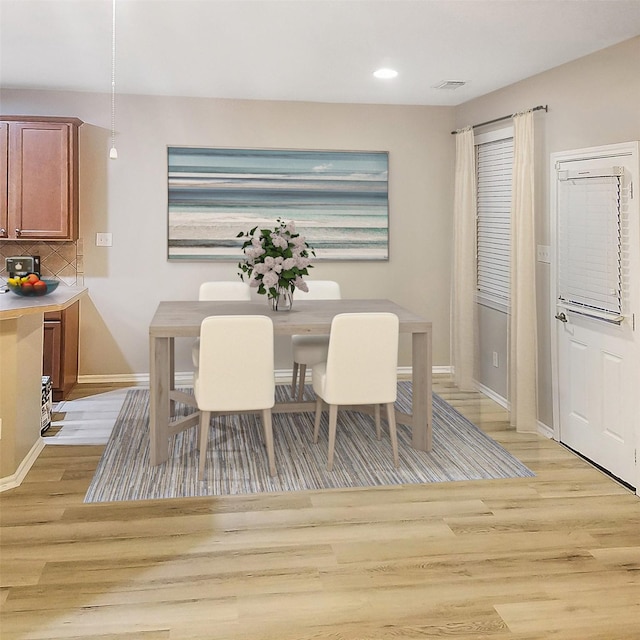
x=237, y=460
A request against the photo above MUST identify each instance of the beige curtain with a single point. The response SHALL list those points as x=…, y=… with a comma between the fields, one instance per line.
x=463, y=289
x=523, y=343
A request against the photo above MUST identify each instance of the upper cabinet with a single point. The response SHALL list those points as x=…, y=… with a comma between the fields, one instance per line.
x=39, y=181
x=4, y=175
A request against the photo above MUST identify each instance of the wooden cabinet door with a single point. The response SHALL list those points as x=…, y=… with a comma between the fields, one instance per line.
x=4, y=193
x=60, y=349
x=70, y=338
x=42, y=199
x=52, y=352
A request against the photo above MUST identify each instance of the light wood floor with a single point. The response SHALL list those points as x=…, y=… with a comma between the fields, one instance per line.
x=551, y=557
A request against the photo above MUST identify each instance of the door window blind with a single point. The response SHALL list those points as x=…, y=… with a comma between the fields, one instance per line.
x=590, y=241
x=494, y=166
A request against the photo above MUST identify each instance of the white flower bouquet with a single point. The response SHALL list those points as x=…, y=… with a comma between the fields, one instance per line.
x=275, y=259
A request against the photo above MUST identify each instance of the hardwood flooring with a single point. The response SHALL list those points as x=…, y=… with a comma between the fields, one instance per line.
x=86, y=419
x=552, y=557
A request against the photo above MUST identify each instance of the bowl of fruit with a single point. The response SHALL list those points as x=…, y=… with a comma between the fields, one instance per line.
x=32, y=285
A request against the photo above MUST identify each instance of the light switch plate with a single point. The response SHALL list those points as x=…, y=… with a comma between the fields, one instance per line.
x=104, y=240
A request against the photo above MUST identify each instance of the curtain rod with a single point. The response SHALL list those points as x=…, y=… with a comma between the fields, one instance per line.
x=482, y=124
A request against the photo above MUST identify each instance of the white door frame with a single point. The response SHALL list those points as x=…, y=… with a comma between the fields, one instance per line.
x=603, y=152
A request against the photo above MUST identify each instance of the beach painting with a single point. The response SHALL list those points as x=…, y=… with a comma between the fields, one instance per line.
x=338, y=200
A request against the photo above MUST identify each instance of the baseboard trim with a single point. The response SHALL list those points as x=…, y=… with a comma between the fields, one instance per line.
x=496, y=397
x=15, y=480
x=186, y=377
x=440, y=369
x=543, y=429
x=134, y=379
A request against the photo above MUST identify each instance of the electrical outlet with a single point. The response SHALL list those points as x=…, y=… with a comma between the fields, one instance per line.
x=544, y=253
x=495, y=359
x=104, y=240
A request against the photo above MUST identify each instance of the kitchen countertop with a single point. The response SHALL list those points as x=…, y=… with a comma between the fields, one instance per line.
x=14, y=306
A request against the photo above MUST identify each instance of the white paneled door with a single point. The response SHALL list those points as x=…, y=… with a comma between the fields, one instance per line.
x=596, y=291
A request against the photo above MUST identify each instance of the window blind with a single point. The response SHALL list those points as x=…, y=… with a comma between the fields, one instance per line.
x=590, y=241
x=494, y=167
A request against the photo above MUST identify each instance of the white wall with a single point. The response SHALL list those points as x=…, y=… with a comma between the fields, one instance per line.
x=128, y=198
x=592, y=101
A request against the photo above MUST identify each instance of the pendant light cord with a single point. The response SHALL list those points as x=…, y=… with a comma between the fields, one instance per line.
x=113, y=153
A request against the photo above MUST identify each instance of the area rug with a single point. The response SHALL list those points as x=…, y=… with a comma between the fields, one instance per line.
x=237, y=460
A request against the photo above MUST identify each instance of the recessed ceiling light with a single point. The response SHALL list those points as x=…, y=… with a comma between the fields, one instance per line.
x=385, y=73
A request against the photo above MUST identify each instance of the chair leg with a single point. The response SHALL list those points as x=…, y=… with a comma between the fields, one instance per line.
x=294, y=379
x=268, y=437
x=333, y=420
x=205, y=418
x=376, y=413
x=303, y=376
x=316, y=425
x=391, y=417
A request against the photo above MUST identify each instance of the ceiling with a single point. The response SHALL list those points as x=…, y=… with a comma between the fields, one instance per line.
x=310, y=50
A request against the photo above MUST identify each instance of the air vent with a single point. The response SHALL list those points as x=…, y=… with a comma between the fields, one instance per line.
x=450, y=84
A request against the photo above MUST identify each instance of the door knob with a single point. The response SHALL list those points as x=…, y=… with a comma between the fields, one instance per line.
x=561, y=316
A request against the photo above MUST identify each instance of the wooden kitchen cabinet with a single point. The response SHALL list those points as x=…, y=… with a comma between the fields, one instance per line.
x=60, y=350
x=39, y=192
x=4, y=156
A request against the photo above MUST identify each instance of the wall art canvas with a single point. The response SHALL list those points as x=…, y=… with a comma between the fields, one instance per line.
x=337, y=199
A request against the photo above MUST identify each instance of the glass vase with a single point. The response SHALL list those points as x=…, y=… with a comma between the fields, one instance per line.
x=283, y=301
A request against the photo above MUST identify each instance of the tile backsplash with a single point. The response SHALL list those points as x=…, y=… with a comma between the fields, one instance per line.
x=61, y=259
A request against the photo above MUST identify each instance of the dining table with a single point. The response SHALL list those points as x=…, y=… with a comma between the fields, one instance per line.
x=182, y=319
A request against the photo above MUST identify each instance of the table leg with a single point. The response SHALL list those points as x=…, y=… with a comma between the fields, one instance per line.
x=159, y=386
x=172, y=374
x=421, y=404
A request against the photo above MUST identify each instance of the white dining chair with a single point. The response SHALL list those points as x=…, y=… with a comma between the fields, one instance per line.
x=235, y=374
x=361, y=369
x=310, y=350
x=222, y=290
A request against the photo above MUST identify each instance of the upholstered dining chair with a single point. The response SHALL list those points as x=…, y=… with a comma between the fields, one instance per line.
x=223, y=290
x=235, y=374
x=310, y=350
x=361, y=369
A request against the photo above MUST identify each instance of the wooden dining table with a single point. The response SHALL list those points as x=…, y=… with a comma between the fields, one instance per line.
x=182, y=319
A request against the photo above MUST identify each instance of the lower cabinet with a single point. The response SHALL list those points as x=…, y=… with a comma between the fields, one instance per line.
x=60, y=352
